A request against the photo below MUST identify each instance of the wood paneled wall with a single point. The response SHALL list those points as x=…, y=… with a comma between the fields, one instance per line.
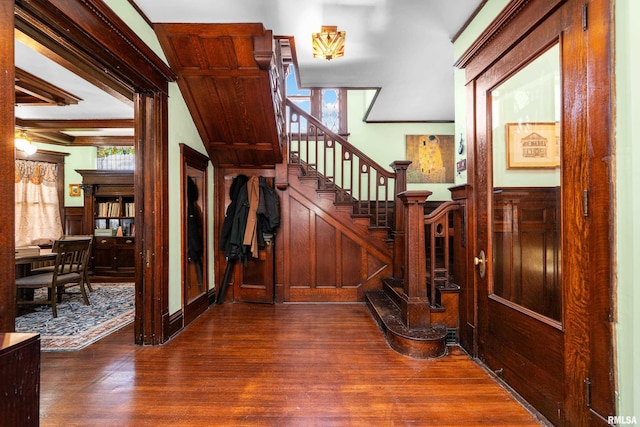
x=527, y=239
x=73, y=220
x=327, y=255
x=321, y=253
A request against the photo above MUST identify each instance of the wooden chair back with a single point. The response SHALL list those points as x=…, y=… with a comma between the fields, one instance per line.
x=72, y=257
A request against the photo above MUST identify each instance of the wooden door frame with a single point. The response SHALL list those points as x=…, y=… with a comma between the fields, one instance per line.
x=587, y=267
x=87, y=37
x=234, y=291
x=193, y=159
x=7, y=163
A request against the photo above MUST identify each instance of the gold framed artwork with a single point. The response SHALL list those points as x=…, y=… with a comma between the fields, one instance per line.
x=432, y=158
x=533, y=145
x=74, y=190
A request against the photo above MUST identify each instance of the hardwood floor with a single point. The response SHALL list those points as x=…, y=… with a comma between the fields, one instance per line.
x=270, y=365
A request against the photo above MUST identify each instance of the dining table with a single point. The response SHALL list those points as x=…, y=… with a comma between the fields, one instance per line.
x=25, y=261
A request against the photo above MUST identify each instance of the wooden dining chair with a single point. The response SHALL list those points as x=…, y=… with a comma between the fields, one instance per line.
x=48, y=268
x=72, y=257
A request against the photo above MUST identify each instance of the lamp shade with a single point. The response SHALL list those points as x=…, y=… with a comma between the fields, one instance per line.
x=328, y=43
x=23, y=142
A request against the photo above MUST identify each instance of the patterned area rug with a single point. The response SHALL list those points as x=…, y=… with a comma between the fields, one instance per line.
x=78, y=325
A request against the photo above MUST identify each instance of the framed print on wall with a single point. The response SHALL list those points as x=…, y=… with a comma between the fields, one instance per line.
x=532, y=145
x=432, y=158
x=74, y=190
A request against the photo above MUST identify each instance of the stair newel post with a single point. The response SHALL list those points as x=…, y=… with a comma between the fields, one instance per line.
x=417, y=311
x=400, y=169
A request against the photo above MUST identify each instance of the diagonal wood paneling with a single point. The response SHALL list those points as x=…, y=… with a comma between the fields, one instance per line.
x=231, y=78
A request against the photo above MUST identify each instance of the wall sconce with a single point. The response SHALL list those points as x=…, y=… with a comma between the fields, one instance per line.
x=328, y=43
x=23, y=142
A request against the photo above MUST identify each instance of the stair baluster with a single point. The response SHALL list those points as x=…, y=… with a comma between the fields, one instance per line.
x=359, y=183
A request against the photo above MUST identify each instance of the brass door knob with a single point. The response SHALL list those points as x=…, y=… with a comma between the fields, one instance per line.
x=481, y=262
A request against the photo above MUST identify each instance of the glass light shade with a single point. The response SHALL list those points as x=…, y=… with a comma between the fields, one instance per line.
x=23, y=142
x=328, y=43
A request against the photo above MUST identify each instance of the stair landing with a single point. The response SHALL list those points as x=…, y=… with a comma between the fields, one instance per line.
x=418, y=343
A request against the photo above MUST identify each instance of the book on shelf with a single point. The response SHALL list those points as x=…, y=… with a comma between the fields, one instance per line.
x=108, y=209
x=129, y=209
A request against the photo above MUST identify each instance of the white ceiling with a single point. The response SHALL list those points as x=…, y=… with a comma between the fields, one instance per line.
x=94, y=102
x=402, y=47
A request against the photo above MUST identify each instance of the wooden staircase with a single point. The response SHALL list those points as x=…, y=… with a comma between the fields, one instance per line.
x=418, y=308
x=414, y=301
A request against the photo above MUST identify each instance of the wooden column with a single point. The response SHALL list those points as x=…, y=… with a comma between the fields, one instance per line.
x=416, y=311
x=400, y=168
x=7, y=165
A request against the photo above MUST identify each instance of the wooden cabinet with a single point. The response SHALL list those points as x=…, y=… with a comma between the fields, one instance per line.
x=113, y=256
x=20, y=385
x=110, y=216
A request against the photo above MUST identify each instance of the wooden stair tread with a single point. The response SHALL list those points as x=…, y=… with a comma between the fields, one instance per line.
x=420, y=343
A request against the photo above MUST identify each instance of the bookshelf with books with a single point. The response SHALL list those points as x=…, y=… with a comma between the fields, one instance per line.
x=110, y=211
x=114, y=216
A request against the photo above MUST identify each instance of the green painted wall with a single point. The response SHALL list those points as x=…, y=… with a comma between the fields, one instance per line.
x=78, y=158
x=386, y=142
x=181, y=130
x=627, y=155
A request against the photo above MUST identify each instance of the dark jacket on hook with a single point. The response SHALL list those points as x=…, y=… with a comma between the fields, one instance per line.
x=268, y=208
x=238, y=183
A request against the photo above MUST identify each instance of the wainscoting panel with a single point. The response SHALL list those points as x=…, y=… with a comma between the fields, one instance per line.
x=329, y=256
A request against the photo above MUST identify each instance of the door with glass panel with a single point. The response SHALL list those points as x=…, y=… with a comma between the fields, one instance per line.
x=519, y=252
x=523, y=341
x=541, y=206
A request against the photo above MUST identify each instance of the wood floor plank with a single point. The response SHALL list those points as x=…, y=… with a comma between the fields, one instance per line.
x=270, y=365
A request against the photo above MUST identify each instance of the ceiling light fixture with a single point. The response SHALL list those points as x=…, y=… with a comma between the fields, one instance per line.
x=328, y=43
x=23, y=142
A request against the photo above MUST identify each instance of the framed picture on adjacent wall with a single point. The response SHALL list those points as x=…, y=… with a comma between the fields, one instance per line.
x=532, y=145
x=74, y=190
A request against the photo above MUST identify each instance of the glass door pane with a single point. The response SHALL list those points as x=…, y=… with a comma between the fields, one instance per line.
x=526, y=131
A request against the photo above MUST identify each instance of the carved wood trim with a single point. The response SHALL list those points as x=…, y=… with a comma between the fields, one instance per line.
x=74, y=33
x=506, y=30
x=263, y=49
x=88, y=26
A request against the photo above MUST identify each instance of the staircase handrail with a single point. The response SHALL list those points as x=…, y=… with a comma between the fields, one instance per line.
x=336, y=137
x=339, y=166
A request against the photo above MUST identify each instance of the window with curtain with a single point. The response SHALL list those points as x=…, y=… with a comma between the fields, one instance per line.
x=38, y=219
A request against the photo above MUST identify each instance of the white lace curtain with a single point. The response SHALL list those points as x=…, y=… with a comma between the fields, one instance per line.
x=37, y=207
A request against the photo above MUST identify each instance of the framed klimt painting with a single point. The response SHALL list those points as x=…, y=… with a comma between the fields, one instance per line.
x=532, y=145
x=432, y=158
